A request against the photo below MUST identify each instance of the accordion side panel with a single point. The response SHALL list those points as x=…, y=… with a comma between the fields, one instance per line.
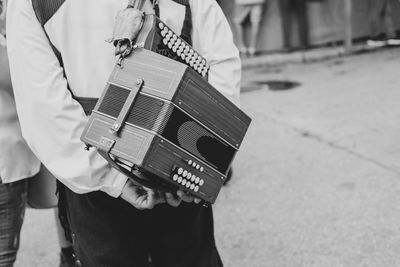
x=202, y=101
x=165, y=160
x=131, y=144
x=161, y=75
x=165, y=119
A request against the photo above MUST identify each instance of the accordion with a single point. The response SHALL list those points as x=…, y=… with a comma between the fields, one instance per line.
x=156, y=36
x=161, y=122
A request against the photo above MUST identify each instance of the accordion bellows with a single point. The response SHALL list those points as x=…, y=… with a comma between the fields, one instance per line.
x=178, y=128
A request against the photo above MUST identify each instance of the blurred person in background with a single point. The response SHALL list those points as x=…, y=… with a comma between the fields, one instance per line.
x=299, y=9
x=381, y=23
x=17, y=163
x=252, y=9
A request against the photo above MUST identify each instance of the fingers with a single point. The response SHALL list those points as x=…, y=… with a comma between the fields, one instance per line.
x=172, y=200
x=145, y=198
x=140, y=197
x=187, y=198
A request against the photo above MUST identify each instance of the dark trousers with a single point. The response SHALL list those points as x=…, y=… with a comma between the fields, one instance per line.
x=380, y=14
x=299, y=9
x=12, y=209
x=110, y=232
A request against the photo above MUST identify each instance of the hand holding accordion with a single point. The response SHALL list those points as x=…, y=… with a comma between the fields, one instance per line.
x=161, y=123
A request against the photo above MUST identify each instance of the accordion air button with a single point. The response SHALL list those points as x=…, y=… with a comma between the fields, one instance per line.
x=196, y=188
x=184, y=182
x=175, y=177
x=180, y=171
x=180, y=179
x=201, y=182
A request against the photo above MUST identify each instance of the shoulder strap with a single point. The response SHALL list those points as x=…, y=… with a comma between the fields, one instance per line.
x=45, y=9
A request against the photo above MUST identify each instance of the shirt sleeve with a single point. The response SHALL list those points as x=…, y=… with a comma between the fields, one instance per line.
x=213, y=39
x=51, y=120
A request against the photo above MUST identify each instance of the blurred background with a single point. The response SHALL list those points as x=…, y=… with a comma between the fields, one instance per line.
x=317, y=180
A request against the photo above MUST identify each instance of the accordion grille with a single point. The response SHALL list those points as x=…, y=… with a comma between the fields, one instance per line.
x=147, y=112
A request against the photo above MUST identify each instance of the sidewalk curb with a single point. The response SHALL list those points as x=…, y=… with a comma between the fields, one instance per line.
x=311, y=55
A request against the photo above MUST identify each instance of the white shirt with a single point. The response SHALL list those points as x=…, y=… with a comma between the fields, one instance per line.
x=16, y=159
x=51, y=120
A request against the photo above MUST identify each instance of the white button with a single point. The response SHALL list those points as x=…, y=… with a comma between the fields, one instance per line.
x=175, y=177
x=188, y=184
x=193, y=178
x=198, y=167
x=161, y=25
x=201, y=169
x=192, y=186
x=180, y=171
x=197, y=180
x=194, y=164
x=201, y=182
x=196, y=188
x=184, y=182
x=189, y=175
x=180, y=179
x=184, y=173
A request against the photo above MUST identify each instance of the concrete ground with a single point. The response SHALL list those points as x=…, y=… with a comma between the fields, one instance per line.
x=317, y=180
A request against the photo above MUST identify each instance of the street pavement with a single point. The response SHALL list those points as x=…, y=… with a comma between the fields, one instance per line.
x=317, y=180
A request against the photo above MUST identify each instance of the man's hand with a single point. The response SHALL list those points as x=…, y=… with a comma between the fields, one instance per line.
x=175, y=201
x=141, y=197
